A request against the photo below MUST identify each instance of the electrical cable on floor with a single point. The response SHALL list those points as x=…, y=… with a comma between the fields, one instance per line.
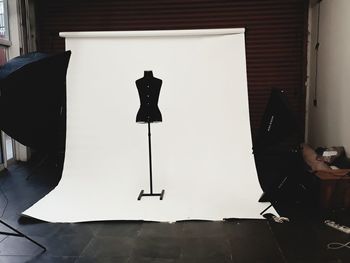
x=15, y=232
x=4, y=209
x=337, y=245
x=6, y=201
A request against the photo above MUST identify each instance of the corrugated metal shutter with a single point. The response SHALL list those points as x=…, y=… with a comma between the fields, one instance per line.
x=276, y=35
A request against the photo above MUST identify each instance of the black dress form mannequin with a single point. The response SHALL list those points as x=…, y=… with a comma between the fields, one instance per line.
x=149, y=89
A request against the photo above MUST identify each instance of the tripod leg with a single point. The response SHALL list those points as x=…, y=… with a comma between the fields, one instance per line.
x=23, y=235
x=276, y=193
x=266, y=209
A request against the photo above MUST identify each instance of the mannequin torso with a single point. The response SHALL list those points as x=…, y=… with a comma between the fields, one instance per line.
x=148, y=88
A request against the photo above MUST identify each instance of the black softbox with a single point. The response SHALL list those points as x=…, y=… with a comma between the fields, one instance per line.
x=32, y=100
x=277, y=149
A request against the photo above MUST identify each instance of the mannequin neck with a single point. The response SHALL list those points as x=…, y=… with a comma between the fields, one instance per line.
x=148, y=74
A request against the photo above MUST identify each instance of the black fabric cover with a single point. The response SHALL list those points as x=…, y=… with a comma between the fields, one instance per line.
x=149, y=89
x=32, y=100
x=278, y=125
x=276, y=151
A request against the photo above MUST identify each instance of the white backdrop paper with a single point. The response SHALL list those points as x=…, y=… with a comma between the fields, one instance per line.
x=202, y=151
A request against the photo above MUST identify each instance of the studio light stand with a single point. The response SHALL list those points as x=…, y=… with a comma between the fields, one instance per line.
x=273, y=200
x=19, y=234
x=142, y=193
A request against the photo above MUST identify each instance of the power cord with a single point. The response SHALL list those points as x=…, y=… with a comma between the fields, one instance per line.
x=15, y=231
x=344, y=229
x=337, y=245
x=4, y=209
x=6, y=201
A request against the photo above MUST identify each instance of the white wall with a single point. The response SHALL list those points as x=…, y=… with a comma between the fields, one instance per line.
x=329, y=122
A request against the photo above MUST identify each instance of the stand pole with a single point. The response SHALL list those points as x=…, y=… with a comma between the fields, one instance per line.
x=142, y=193
x=150, y=159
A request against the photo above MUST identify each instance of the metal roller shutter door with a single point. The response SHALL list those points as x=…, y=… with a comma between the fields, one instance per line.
x=276, y=35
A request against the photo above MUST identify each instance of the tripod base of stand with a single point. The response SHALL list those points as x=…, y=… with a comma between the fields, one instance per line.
x=142, y=193
x=19, y=234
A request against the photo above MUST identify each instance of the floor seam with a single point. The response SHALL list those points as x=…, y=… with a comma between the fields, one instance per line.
x=86, y=246
x=277, y=243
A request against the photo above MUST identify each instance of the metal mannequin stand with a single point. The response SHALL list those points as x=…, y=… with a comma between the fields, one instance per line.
x=142, y=193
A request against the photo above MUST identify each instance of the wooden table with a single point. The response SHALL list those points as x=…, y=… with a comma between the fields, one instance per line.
x=334, y=190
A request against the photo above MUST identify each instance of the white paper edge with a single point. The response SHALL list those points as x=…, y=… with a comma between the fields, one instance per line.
x=152, y=33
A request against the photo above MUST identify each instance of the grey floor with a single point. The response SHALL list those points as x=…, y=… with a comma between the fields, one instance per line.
x=304, y=239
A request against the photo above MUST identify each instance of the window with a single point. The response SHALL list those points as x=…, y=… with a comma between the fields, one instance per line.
x=4, y=31
x=2, y=55
x=6, y=143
